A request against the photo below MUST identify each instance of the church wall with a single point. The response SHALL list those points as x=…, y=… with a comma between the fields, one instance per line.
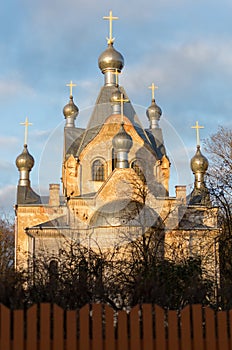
x=183, y=244
x=28, y=216
x=101, y=148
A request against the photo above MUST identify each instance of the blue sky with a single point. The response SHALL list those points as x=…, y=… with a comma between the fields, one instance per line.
x=184, y=47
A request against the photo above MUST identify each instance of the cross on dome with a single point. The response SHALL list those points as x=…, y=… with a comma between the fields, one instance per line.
x=26, y=124
x=153, y=87
x=122, y=100
x=116, y=73
x=197, y=127
x=71, y=85
x=111, y=18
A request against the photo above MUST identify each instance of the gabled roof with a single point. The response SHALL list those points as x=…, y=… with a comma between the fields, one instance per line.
x=60, y=222
x=101, y=112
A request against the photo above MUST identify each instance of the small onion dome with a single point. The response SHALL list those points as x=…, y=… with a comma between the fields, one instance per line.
x=199, y=163
x=70, y=110
x=122, y=141
x=154, y=112
x=116, y=97
x=25, y=161
x=110, y=59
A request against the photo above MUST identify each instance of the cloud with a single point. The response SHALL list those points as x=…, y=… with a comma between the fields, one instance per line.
x=7, y=198
x=40, y=134
x=191, y=77
x=13, y=85
x=7, y=142
x=179, y=63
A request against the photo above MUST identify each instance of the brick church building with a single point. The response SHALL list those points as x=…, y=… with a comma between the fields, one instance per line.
x=115, y=183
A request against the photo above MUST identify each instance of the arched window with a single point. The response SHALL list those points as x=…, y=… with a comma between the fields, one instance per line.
x=135, y=165
x=98, y=172
x=114, y=159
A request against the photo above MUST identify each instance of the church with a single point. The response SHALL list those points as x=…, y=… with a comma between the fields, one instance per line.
x=115, y=183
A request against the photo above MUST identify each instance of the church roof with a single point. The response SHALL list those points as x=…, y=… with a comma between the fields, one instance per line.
x=101, y=112
x=60, y=222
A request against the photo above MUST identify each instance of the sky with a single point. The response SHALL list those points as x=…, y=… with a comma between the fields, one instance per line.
x=184, y=47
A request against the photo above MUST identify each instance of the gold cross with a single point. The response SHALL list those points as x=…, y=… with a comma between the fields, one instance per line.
x=117, y=74
x=71, y=85
x=110, y=40
x=153, y=87
x=122, y=100
x=197, y=127
x=26, y=124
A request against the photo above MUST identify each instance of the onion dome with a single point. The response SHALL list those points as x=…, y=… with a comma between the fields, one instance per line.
x=153, y=112
x=70, y=110
x=110, y=59
x=122, y=141
x=199, y=163
x=25, y=161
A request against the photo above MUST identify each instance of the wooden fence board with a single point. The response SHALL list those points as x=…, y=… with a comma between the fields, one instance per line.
x=71, y=330
x=5, y=328
x=101, y=328
x=185, y=329
x=160, y=328
x=210, y=335
x=58, y=328
x=173, y=339
x=45, y=326
x=109, y=329
x=223, y=341
x=135, y=337
x=147, y=327
x=97, y=327
x=84, y=339
x=31, y=319
x=198, y=341
x=122, y=330
x=230, y=327
x=18, y=330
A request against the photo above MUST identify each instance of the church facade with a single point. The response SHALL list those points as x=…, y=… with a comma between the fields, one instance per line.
x=115, y=184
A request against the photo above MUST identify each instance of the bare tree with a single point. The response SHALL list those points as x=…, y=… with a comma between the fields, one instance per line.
x=219, y=180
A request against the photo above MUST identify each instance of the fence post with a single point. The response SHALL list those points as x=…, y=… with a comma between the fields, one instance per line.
x=45, y=326
x=71, y=330
x=173, y=341
x=58, y=328
x=84, y=338
x=230, y=327
x=5, y=328
x=210, y=335
x=198, y=343
x=32, y=336
x=122, y=330
x=109, y=329
x=135, y=337
x=97, y=327
x=223, y=343
x=18, y=330
x=185, y=328
x=159, y=328
x=148, y=338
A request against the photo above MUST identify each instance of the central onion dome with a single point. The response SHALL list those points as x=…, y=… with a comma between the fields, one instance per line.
x=110, y=59
x=70, y=110
x=122, y=141
x=25, y=161
x=153, y=112
x=199, y=163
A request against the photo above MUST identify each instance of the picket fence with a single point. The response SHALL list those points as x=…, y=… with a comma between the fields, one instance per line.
x=99, y=327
